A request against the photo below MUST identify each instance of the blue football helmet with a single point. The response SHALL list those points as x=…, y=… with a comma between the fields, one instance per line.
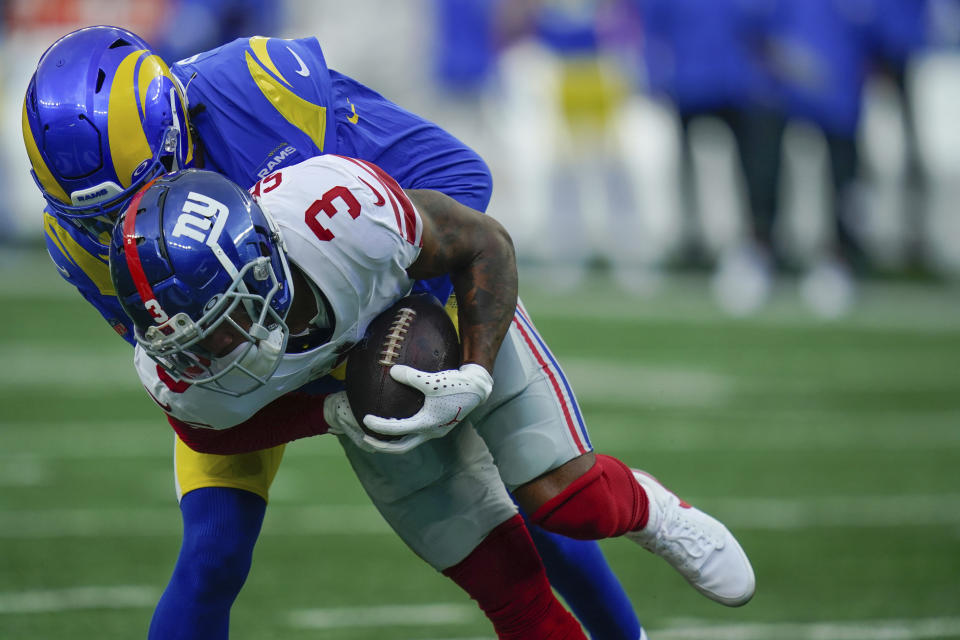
x=194, y=255
x=102, y=116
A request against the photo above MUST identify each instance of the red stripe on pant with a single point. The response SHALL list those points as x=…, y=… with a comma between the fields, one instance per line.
x=554, y=383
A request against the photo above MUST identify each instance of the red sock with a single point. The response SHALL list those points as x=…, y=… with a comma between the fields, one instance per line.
x=505, y=576
x=604, y=502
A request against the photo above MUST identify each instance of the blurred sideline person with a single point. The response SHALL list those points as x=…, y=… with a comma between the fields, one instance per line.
x=818, y=56
x=902, y=30
x=103, y=115
x=758, y=65
x=818, y=53
x=589, y=175
x=197, y=25
x=237, y=299
x=699, y=55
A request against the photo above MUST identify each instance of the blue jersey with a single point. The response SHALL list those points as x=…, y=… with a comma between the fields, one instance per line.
x=819, y=51
x=698, y=53
x=900, y=29
x=259, y=104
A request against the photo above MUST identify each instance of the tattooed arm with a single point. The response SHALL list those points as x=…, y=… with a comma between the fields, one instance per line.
x=478, y=254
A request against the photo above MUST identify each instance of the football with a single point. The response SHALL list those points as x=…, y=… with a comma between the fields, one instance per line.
x=415, y=331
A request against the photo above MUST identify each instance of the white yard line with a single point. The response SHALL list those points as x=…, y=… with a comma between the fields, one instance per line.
x=602, y=380
x=118, y=521
x=137, y=596
x=837, y=511
x=37, y=365
x=445, y=614
x=384, y=616
x=900, y=629
x=25, y=472
x=53, y=600
x=143, y=436
x=28, y=448
x=761, y=514
x=685, y=301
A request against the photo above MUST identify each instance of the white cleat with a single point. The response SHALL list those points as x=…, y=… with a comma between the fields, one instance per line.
x=695, y=544
x=744, y=280
x=829, y=289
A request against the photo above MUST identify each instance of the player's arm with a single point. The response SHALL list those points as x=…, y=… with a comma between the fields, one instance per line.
x=478, y=254
x=85, y=271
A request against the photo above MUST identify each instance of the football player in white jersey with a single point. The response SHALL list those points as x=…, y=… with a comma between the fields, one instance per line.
x=245, y=109
x=204, y=269
x=226, y=345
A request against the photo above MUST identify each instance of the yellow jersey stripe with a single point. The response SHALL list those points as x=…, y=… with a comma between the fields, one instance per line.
x=306, y=116
x=48, y=226
x=96, y=267
x=259, y=46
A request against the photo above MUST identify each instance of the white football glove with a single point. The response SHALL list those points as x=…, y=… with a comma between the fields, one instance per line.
x=340, y=419
x=449, y=396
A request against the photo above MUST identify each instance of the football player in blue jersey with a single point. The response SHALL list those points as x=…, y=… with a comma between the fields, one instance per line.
x=103, y=115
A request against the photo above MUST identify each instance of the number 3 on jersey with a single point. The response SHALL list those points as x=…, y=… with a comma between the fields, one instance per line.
x=328, y=204
x=340, y=199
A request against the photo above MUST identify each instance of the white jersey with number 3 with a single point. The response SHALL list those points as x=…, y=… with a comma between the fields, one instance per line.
x=353, y=232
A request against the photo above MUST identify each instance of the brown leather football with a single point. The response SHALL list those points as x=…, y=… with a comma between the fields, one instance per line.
x=415, y=331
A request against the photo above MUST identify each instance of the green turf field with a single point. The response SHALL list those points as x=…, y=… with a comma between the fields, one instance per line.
x=832, y=450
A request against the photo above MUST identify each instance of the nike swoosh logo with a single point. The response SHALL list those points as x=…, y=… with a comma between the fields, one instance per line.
x=163, y=405
x=303, y=71
x=354, y=118
x=380, y=199
x=63, y=272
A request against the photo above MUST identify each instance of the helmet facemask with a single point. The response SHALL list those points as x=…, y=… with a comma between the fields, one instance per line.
x=259, y=331
x=200, y=268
